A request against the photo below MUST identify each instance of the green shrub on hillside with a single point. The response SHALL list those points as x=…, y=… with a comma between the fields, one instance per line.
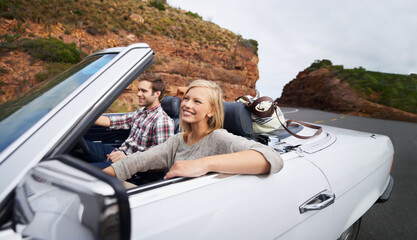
x=316, y=65
x=158, y=4
x=194, y=15
x=394, y=90
x=8, y=42
x=51, y=50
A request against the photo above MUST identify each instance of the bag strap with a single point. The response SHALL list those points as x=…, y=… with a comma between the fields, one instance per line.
x=288, y=122
x=252, y=106
x=248, y=101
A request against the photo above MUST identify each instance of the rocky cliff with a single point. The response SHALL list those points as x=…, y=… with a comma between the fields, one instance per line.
x=177, y=62
x=320, y=89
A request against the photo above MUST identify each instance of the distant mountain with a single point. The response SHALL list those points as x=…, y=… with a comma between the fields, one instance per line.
x=353, y=91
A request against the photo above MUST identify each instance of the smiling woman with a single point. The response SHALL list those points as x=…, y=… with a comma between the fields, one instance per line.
x=202, y=147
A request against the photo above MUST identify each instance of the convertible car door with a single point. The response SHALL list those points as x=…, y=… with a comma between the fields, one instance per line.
x=222, y=206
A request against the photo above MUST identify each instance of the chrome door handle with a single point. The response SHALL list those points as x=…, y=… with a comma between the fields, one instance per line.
x=320, y=201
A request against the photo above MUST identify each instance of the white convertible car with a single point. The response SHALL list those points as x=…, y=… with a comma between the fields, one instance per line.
x=46, y=192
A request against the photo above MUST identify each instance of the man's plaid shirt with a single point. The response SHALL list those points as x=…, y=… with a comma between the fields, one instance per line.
x=147, y=128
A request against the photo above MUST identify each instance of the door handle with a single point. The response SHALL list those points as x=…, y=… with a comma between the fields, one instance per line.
x=319, y=201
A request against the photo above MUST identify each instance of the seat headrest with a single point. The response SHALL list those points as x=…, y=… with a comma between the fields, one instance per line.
x=171, y=106
x=237, y=119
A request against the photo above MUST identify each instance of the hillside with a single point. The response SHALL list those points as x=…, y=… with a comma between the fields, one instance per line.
x=186, y=47
x=39, y=39
x=353, y=91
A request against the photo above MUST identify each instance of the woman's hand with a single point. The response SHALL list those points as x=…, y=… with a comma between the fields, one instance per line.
x=187, y=168
x=116, y=156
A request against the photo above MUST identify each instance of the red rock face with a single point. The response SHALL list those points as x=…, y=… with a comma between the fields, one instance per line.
x=20, y=74
x=178, y=63
x=321, y=90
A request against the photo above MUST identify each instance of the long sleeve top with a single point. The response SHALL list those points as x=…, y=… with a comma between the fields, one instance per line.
x=148, y=127
x=175, y=149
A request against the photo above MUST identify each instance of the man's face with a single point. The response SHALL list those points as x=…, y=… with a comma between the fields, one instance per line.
x=147, y=98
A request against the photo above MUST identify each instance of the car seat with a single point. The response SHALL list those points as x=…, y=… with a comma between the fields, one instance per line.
x=171, y=106
x=237, y=119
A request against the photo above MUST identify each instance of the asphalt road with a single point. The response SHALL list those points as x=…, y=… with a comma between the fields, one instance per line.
x=397, y=218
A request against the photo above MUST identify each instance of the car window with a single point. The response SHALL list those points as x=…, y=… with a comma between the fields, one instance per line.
x=19, y=114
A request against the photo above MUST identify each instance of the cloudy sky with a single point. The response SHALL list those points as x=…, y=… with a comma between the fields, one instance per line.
x=379, y=35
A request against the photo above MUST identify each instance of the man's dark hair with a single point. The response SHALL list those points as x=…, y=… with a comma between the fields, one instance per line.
x=157, y=85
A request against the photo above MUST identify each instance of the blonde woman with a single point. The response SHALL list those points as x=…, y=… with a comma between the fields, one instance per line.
x=202, y=146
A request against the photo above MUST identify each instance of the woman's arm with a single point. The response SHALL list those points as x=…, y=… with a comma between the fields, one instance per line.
x=244, y=162
x=156, y=157
x=110, y=170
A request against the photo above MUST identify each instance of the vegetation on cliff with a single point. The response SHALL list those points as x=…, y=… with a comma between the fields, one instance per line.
x=134, y=16
x=57, y=54
x=393, y=90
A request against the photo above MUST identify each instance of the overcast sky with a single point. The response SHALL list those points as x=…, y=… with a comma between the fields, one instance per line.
x=378, y=35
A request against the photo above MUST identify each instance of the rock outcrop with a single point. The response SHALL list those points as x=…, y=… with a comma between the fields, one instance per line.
x=177, y=62
x=321, y=90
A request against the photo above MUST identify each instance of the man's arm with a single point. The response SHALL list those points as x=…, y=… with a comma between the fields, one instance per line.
x=103, y=121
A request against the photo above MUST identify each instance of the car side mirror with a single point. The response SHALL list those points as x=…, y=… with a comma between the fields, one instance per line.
x=65, y=198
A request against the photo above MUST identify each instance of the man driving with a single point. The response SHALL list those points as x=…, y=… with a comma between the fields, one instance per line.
x=148, y=126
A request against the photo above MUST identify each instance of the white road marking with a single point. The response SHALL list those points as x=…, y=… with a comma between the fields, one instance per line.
x=292, y=111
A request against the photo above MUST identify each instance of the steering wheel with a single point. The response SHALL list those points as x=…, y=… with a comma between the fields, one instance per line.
x=82, y=144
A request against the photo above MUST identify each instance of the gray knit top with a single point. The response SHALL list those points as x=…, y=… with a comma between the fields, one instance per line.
x=175, y=148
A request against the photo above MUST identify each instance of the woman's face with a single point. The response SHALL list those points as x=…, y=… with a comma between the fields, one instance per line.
x=195, y=106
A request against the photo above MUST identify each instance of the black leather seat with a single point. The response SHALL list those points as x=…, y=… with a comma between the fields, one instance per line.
x=237, y=119
x=171, y=106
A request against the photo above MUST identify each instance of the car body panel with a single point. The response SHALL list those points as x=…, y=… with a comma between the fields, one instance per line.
x=240, y=206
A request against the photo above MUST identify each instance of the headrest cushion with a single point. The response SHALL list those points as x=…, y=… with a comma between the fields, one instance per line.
x=171, y=106
x=237, y=119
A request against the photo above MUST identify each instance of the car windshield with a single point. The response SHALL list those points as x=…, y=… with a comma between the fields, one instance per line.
x=18, y=115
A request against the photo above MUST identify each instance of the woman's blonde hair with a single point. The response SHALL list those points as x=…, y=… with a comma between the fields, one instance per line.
x=216, y=101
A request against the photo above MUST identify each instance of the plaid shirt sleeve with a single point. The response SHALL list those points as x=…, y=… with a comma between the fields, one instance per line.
x=163, y=129
x=123, y=121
